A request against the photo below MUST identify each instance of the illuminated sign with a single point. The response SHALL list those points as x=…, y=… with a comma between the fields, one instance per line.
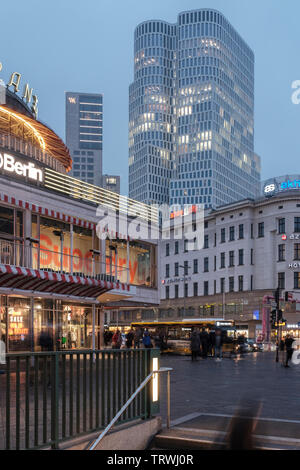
x=272, y=187
x=10, y=164
x=28, y=97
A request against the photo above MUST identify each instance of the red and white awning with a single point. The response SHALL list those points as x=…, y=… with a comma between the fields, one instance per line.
x=47, y=212
x=16, y=277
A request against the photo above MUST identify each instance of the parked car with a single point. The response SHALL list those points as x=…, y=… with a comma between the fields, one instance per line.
x=254, y=346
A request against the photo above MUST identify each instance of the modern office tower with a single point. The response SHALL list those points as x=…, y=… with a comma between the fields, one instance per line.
x=151, y=112
x=111, y=182
x=84, y=135
x=212, y=124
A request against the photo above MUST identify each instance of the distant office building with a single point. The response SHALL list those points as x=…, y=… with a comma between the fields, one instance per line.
x=84, y=135
x=111, y=182
x=191, y=113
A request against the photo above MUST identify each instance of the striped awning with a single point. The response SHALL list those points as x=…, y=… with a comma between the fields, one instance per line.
x=15, y=277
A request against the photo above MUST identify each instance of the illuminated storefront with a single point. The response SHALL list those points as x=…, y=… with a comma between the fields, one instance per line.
x=56, y=272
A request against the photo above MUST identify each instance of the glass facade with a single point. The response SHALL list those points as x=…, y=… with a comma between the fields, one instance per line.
x=152, y=112
x=210, y=82
x=44, y=324
x=141, y=264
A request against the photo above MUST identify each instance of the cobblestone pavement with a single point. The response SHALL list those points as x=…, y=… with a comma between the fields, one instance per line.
x=214, y=387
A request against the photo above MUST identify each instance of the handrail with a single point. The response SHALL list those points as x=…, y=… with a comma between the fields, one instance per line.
x=130, y=400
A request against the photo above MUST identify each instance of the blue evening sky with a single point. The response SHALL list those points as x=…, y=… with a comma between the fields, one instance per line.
x=72, y=45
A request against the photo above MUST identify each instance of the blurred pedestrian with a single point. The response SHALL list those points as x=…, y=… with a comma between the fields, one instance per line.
x=147, y=340
x=204, y=342
x=117, y=340
x=45, y=340
x=129, y=338
x=211, y=341
x=195, y=345
x=218, y=345
x=289, y=349
x=137, y=338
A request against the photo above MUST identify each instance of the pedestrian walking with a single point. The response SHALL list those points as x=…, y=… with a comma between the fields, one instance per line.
x=117, y=340
x=195, y=345
x=218, y=345
x=45, y=340
x=289, y=349
x=137, y=338
x=211, y=342
x=129, y=338
x=204, y=342
x=147, y=340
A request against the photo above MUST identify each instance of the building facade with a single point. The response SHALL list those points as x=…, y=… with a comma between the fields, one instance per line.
x=192, y=95
x=112, y=183
x=60, y=269
x=250, y=248
x=84, y=135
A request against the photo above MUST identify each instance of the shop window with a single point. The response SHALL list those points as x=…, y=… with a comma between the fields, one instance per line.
x=11, y=236
x=142, y=259
x=18, y=324
x=54, y=251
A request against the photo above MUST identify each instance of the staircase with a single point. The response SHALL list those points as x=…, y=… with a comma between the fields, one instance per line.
x=209, y=432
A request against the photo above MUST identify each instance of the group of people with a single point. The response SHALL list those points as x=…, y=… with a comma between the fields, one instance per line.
x=133, y=339
x=206, y=344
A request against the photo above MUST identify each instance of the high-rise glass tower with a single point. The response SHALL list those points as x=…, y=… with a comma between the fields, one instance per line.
x=84, y=135
x=152, y=139
x=212, y=113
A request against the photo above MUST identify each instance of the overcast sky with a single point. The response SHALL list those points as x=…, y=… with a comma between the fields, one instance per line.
x=87, y=46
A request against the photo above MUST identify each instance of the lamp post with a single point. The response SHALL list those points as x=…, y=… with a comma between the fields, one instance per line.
x=185, y=268
x=60, y=234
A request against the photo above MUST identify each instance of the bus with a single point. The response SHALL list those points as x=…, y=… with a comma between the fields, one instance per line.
x=174, y=336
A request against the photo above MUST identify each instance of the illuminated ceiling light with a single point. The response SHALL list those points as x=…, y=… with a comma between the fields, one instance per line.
x=28, y=125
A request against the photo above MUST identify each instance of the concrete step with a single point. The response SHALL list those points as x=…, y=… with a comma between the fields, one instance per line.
x=206, y=439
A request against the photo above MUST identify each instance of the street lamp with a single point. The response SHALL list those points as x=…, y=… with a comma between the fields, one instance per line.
x=185, y=268
x=60, y=234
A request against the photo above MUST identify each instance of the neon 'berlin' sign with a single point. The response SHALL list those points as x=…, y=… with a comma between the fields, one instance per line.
x=10, y=164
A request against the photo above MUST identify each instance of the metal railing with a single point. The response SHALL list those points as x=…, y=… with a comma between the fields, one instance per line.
x=141, y=387
x=50, y=397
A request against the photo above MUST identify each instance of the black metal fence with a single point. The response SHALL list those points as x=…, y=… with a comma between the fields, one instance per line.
x=50, y=397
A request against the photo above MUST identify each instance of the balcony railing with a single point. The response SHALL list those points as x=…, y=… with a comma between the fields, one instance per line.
x=15, y=252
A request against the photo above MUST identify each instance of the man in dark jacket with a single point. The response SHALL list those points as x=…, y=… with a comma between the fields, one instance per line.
x=129, y=338
x=289, y=349
x=45, y=340
x=195, y=345
x=204, y=342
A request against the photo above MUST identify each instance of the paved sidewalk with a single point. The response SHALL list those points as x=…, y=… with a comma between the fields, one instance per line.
x=214, y=387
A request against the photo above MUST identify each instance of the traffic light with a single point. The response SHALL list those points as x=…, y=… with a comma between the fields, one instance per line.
x=279, y=315
x=273, y=316
x=286, y=296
